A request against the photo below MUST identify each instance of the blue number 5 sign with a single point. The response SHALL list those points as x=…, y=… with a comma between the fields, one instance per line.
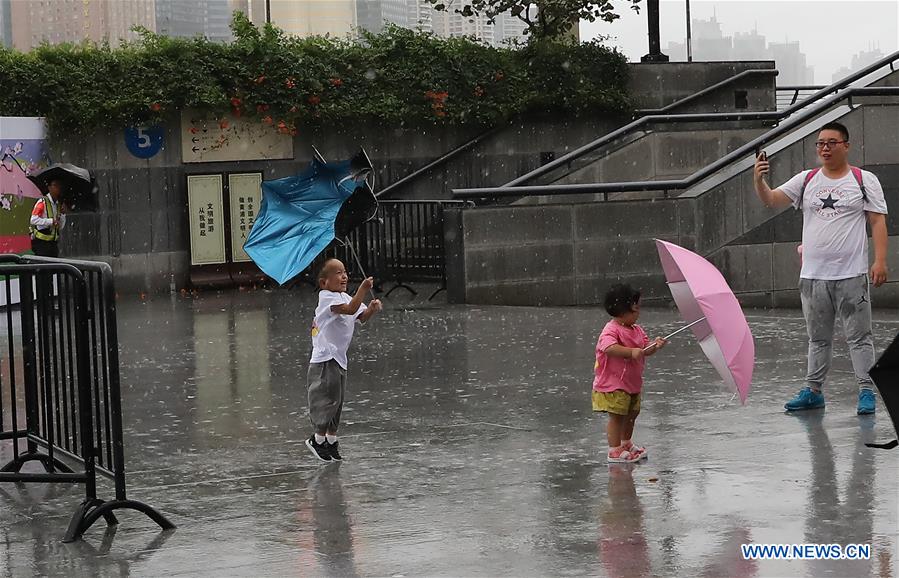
x=144, y=141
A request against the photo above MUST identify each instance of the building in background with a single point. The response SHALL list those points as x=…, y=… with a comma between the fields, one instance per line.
x=314, y=17
x=791, y=64
x=254, y=9
x=372, y=15
x=31, y=22
x=710, y=43
x=186, y=19
x=452, y=24
x=25, y=24
x=749, y=46
x=859, y=61
x=5, y=23
x=508, y=28
x=57, y=21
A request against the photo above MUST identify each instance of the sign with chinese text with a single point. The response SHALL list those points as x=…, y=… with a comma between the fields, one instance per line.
x=206, y=139
x=245, y=195
x=207, y=226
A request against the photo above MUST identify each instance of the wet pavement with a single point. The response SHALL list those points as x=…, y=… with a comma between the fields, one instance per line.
x=470, y=449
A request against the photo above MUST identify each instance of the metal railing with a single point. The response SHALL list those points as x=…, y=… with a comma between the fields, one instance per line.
x=789, y=95
x=563, y=163
x=62, y=365
x=443, y=159
x=403, y=245
x=695, y=178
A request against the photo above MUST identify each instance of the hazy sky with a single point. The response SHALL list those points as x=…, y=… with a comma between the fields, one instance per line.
x=829, y=31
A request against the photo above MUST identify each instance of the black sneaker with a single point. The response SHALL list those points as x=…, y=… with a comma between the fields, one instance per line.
x=333, y=450
x=320, y=451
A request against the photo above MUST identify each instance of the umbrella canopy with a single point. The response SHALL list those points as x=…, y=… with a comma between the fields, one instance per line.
x=885, y=374
x=362, y=206
x=296, y=217
x=80, y=187
x=704, y=298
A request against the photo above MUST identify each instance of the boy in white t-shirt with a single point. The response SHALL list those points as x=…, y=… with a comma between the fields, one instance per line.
x=837, y=201
x=332, y=331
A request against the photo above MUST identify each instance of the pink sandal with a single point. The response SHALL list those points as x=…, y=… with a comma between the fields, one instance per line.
x=622, y=456
x=633, y=448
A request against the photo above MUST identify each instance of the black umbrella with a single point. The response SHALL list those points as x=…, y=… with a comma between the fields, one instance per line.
x=885, y=374
x=80, y=187
x=362, y=206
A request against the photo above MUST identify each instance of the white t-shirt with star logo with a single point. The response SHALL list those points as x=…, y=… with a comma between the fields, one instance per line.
x=834, y=234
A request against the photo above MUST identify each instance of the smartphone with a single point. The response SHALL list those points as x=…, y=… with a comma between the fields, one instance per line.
x=762, y=156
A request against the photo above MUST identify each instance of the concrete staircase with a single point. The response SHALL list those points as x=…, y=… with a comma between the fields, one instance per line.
x=568, y=253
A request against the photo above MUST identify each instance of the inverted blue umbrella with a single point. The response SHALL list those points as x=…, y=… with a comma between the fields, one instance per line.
x=297, y=214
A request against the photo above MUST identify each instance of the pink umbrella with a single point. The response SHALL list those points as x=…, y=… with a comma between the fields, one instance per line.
x=710, y=308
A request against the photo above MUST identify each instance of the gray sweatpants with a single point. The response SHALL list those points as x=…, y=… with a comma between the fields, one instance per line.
x=822, y=303
x=326, y=387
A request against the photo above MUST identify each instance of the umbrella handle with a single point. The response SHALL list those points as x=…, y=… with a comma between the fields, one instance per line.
x=670, y=335
x=346, y=241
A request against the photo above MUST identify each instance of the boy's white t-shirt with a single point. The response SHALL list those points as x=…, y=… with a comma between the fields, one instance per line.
x=834, y=235
x=332, y=332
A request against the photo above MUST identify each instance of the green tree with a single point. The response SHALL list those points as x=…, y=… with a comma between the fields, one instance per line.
x=544, y=18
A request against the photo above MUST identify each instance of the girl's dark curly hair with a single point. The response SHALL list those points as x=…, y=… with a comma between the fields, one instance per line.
x=620, y=299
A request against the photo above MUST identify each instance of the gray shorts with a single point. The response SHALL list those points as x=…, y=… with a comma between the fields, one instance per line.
x=326, y=385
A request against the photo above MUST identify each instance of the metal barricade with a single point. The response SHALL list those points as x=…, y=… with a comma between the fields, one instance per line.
x=61, y=374
x=405, y=244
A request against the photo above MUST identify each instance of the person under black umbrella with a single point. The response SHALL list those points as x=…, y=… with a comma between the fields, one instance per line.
x=47, y=219
x=885, y=374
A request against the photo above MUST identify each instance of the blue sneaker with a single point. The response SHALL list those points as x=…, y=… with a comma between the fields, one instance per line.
x=865, y=402
x=805, y=399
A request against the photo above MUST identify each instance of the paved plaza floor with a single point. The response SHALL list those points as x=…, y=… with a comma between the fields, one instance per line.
x=470, y=450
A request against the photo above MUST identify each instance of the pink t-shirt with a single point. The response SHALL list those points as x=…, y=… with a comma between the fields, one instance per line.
x=617, y=373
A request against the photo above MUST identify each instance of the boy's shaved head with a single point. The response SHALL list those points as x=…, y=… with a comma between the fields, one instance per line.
x=329, y=267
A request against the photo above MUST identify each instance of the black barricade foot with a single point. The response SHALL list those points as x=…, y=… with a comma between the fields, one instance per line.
x=398, y=286
x=107, y=541
x=437, y=292
x=92, y=510
x=50, y=466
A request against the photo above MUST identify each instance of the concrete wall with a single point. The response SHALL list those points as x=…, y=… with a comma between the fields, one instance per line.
x=537, y=140
x=663, y=154
x=560, y=254
x=568, y=254
x=655, y=85
x=142, y=225
x=505, y=154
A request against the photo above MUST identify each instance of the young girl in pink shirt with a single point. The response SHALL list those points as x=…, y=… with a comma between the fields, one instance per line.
x=618, y=380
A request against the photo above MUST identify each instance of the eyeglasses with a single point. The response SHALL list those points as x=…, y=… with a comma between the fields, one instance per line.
x=828, y=143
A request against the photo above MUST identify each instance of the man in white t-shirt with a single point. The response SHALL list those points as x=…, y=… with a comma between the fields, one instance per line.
x=332, y=331
x=836, y=200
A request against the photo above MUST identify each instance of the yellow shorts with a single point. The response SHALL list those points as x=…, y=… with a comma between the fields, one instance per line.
x=618, y=402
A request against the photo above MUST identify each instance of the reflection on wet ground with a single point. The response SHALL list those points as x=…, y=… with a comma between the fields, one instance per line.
x=470, y=449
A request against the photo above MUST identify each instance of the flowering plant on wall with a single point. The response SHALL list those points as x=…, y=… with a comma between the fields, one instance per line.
x=399, y=76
